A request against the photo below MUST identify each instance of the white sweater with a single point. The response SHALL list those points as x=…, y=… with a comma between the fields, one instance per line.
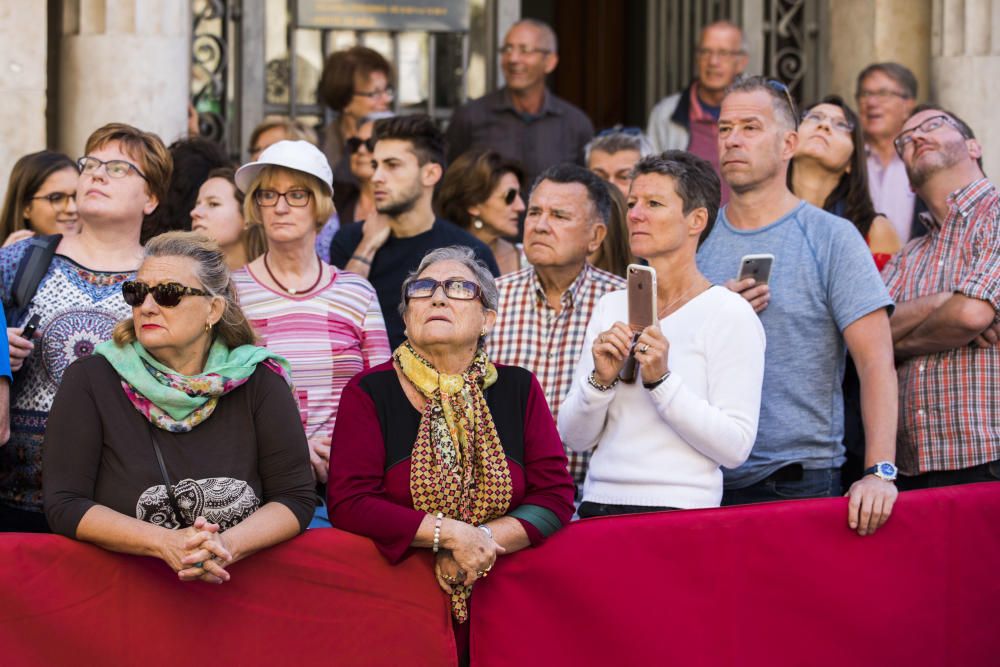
x=663, y=448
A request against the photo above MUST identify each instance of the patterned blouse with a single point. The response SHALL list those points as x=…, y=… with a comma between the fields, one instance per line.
x=328, y=336
x=79, y=309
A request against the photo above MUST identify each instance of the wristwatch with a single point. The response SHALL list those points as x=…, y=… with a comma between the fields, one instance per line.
x=486, y=529
x=883, y=470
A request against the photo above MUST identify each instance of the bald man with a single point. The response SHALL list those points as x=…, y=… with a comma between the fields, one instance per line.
x=688, y=120
x=524, y=121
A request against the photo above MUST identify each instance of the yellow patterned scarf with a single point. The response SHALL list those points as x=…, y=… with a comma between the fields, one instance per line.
x=458, y=466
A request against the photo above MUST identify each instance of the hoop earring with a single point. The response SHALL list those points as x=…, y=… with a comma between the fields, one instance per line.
x=208, y=327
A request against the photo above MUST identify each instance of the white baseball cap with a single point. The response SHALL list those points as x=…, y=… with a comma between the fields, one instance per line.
x=297, y=155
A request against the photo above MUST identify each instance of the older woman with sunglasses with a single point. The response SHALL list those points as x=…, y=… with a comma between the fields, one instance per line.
x=439, y=449
x=480, y=193
x=123, y=178
x=325, y=321
x=179, y=439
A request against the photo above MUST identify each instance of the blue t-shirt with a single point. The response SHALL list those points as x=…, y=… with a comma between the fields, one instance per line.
x=823, y=279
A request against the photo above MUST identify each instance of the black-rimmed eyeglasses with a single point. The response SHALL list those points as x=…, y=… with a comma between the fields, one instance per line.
x=88, y=166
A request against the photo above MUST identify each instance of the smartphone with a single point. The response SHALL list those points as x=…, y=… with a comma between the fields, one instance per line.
x=757, y=267
x=641, y=296
x=31, y=326
x=641, y=312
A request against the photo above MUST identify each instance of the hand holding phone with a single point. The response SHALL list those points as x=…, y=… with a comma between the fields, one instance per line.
x=29, y=329
x=641, y=312
x=752, y=280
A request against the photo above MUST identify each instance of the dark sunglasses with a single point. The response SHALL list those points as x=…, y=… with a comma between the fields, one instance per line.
x=354, y=143
x=167, y=295
x=783, y=89
x=454, y=288
x=510, y=196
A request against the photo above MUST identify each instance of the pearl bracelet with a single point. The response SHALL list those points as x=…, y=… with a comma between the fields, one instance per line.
x=438, y=518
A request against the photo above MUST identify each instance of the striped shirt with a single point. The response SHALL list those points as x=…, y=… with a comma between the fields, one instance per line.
x=949, y=408
x=531, y=334
x=327, y=336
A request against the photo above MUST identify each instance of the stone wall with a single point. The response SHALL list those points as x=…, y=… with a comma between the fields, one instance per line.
x=23, y=77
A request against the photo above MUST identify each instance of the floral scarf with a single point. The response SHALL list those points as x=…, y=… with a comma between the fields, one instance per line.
x=458, y=465
x=178, y=403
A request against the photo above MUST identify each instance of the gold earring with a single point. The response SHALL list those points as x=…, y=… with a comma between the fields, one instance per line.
x=208, y=327
x=482, y=334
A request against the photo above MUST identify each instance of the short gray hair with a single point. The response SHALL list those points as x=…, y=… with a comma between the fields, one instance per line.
x=465, y=256
x=616, y=140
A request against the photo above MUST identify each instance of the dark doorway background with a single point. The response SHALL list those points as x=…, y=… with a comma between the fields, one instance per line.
x=601, y=56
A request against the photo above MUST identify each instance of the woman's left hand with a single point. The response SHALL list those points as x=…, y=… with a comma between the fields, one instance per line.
x=447, y=571
x=208, y=554
x=319, y=456
x=651, y=351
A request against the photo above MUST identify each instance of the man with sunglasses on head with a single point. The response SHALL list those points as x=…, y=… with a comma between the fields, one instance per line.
x=124, y=175
x=524, y=121
x=886, y=94
x=946, y=327
x=688, y=120
x=824, y=296
x=544, y=309
x=408, y=161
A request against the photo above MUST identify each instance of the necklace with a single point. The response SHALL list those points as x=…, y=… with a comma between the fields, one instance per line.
x=666, y=309
x=293, y=292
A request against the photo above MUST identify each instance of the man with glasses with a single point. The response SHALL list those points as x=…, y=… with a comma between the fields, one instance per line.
x=544, y=309
x=688, y=120
x=886, y=94
x=946, y=326
x=824, y=294
x=524, y=121
x=408, y=162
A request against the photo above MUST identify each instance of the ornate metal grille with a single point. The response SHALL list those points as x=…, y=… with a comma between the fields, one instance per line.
x=210, y=60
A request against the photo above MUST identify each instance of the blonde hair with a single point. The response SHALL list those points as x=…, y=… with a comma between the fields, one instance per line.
x=318, y=189
x=233, y=328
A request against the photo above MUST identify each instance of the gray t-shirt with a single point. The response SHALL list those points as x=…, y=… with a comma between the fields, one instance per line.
x=822, y=280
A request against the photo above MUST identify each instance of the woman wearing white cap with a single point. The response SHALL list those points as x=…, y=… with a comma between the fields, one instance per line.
x=326, y=322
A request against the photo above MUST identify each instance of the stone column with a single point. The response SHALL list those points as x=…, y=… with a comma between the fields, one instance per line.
x=23, y=77
x=965, y=69
x=868, y=31
x=124, y=61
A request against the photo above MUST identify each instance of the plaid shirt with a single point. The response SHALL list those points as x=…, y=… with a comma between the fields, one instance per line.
x=531, y=334
x=949, y=408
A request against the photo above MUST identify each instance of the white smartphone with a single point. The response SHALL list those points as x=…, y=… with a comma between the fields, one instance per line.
x=757, y=267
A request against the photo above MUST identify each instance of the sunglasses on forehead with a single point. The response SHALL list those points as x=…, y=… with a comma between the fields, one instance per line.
x=167, y=295
x=355, y=143
x=779, y=87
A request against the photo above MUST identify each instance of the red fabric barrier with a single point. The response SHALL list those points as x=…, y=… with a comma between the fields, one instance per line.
x=326, y=598
x=777, y=584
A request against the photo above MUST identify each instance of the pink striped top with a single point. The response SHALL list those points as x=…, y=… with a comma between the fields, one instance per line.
x=327, y=336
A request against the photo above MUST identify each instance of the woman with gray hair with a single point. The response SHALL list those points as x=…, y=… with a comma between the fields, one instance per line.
x=180, y=438
x=438, y=448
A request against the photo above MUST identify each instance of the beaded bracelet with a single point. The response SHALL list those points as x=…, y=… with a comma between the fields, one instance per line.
x=438, y=518
x=592, y=380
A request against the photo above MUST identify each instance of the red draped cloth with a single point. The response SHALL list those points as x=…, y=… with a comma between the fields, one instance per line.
x=777, y=584
x=325, y=598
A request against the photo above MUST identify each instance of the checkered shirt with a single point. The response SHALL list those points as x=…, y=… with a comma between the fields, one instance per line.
x=949, y=407
x=530, y=334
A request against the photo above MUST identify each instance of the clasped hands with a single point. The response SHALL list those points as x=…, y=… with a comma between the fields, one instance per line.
x=197, y=553
x=470, y=556
x=611, y=349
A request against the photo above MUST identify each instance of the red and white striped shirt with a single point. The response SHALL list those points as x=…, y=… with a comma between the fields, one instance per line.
x=328, y=336
x=949, y=407
x=529, y=333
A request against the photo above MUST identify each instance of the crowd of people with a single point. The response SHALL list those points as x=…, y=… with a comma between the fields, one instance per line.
x=425, y=337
